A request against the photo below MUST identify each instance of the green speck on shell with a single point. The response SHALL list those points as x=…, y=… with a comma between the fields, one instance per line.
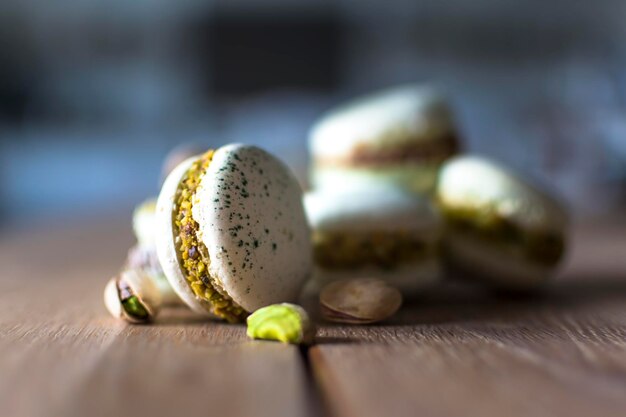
x=284, y=322
x=134, y=308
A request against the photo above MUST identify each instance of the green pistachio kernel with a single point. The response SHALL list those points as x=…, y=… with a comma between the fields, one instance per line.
x=287, y=323
x=133, y=307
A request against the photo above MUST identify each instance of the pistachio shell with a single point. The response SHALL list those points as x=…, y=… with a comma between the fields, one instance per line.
x=359, y=301
x=132, y=296
x=287, y=323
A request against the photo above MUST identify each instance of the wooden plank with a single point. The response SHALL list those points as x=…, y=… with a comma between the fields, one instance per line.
x=460, y=352
x=62, y=355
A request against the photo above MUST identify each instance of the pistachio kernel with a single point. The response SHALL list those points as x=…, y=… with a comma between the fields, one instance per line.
x=287, y=323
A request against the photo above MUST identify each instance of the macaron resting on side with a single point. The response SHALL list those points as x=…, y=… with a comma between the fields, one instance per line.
x=501, y=229
x=233, y=235
x=380, y=231
x=401, y=135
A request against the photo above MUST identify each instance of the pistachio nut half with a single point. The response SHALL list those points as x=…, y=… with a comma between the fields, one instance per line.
x=287, y=323
x=359, y=301
x=133, y=296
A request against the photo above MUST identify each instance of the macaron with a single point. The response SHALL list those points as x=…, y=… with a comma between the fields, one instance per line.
x=232, y=235
x=501, y=229
x=142, y=256
x=380, y=231
x=401, y=135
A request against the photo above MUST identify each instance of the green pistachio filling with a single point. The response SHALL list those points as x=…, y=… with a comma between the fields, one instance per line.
x=193, y=254
x=539, y=246
x=133, y=307
x=388, y=250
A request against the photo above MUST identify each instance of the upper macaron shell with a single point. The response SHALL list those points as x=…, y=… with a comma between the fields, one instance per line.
x=251, y=219
x=478, y=182
x=372, y=208
x=394, y=116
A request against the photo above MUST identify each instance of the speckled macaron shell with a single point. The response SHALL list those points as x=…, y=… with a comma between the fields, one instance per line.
x=396, y=116
x=165, y=237
x=251, y=219
x=483, y=183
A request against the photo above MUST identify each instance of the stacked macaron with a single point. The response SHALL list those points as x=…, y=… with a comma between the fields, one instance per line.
x=500, y=230
x=375, y=160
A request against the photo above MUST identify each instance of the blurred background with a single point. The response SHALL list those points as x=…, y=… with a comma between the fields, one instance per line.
x=93, y=94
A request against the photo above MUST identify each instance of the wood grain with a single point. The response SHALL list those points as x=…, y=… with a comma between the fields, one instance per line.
x=62, y=355
x=461, y=352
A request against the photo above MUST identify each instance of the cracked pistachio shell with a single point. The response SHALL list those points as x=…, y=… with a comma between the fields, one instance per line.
x=132, y=296
x=287, y=323
x=359, y=301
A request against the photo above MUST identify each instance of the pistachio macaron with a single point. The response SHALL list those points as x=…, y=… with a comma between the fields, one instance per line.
x=232, y=235
x=379, y=231
x=501, y=229
x=401, y=135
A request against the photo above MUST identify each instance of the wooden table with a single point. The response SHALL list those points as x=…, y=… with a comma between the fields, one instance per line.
x=455, y=352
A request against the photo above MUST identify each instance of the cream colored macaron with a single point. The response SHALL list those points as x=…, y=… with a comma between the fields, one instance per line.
x=143, y=256
x=379, y=231
x=401, y=135
x=500, y=229
x=232, y=235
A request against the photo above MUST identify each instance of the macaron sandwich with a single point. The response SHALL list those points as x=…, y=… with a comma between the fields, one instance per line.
x=143, y=257
x=500, y=229
x=380, y=231
x=401, y=135
x=231, y=232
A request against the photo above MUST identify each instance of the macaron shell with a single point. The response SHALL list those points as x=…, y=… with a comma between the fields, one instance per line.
x=372, y=207
x=490, y=264
x=417, y=178
x=395, y=116
x=166, y=240
x=251, y=219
